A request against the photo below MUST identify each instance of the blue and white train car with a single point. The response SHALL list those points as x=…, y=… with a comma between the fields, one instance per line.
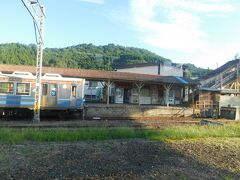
x=63, y=95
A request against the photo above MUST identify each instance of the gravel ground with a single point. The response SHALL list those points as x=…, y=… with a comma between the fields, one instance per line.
x=221, y=153
x=121, y=159
x=147, y=122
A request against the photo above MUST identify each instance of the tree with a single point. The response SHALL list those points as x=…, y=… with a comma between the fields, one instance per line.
x=88, y=56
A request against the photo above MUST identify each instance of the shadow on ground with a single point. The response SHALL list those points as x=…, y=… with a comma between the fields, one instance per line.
x=118, y=159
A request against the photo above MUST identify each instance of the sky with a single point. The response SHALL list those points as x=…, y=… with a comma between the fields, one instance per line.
x=202, y=32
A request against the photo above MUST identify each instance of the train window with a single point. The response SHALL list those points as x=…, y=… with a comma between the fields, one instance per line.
x=6, y=87
x=53, y=89
x=23, y=89
x=44, y=89
x=74, y=91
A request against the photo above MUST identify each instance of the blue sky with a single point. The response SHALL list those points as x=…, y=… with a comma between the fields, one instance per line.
x=202, y=32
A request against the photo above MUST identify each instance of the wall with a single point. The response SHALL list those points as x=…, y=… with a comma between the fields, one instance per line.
x=171, y=71
x=142, y=70
x=230, y=113
x=134, y=111
x=226, y=101
x=164, y=70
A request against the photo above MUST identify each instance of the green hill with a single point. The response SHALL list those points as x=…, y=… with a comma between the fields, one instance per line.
x=86, y=56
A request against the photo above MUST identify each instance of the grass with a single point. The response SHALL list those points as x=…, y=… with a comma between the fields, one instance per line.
x=197, y=131
x=11, y=135
x=58, y=134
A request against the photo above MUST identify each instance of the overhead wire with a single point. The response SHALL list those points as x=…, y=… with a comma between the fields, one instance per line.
x=36, y=28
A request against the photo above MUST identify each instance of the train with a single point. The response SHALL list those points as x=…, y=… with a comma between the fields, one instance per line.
x=60, y=96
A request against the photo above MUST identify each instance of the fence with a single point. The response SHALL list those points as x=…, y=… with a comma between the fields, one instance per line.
x=206, y=108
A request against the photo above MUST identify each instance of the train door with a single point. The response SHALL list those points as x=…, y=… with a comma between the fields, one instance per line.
x=73, y=95
x=49, y=95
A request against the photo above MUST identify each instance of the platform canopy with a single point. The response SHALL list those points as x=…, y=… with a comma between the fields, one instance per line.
x=100, y=75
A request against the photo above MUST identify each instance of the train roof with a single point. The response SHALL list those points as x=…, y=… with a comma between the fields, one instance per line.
x=46, y=76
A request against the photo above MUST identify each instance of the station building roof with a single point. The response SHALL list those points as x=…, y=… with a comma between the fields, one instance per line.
x=102, y=75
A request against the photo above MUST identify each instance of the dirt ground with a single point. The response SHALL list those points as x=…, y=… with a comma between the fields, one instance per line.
x=122, y=159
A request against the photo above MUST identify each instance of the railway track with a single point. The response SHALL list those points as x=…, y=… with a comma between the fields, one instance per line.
x=139, y=123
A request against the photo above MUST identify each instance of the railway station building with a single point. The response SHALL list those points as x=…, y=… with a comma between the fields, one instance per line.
x=113, y=87
x=128, y=95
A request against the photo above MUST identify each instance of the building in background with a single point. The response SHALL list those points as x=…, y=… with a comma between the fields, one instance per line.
x=159, y=68
x=220, y=89
x=162, y=69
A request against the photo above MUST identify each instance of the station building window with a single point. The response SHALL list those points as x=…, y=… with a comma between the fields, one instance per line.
x=93, y=84
x=23, y=89
x=6, y=87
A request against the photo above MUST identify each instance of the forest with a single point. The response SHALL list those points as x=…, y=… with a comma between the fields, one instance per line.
x=87, y=56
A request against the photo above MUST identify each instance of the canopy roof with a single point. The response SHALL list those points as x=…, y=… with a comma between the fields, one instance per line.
x=102, y=75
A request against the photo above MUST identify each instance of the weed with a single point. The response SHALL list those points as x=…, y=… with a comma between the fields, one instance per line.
x=63, y=134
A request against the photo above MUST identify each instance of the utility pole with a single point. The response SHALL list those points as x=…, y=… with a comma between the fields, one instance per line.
x=37, y=12
x=237, y=86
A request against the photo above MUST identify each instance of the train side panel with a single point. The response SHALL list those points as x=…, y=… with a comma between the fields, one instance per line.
x=16, y=101
x=63, y=95
x=17, y=91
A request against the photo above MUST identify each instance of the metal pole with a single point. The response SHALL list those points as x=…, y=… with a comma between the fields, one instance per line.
x=37, y=12
x=108, y=90
x=237, y=87
x=38, y=92
x=139, y=95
